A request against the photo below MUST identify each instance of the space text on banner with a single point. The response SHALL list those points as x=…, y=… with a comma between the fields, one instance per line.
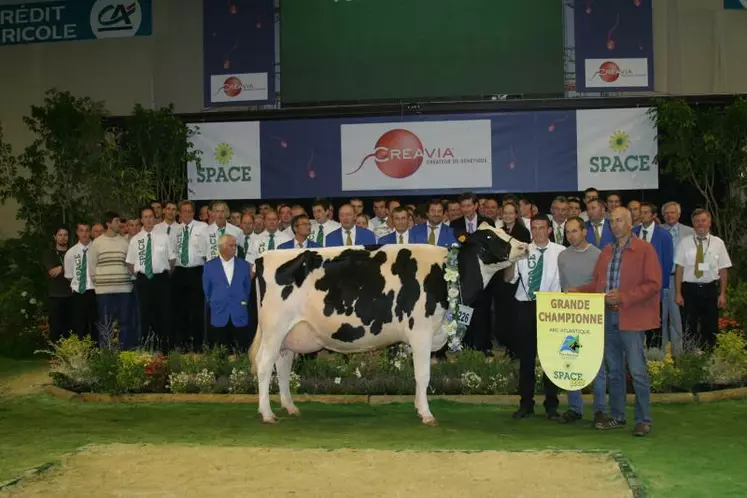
x=570, y=337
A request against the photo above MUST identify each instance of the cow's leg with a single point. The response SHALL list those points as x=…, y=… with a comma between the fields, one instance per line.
x=268, y=353
x=420, y=342
x=284, y=366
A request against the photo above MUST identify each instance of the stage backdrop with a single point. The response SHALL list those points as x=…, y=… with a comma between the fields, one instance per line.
x=614, y=45
x=239, y=52
x=544, y=151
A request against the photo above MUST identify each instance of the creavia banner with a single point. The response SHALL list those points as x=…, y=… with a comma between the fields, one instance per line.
x=570, y=337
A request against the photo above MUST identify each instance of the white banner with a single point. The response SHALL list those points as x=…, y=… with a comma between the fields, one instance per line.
x=616, y=149
x=616, y=73
x=405, y=156
x=243, y=87
x=229, y=162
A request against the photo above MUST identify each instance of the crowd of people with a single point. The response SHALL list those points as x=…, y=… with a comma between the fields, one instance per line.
x=162, y=275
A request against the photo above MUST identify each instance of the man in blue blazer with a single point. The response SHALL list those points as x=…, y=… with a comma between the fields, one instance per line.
x=659, y=237
x=598, y=230
x=301, y=226
x=434, y=232
x=226, y=283
x=349, y=234
x=401, y=233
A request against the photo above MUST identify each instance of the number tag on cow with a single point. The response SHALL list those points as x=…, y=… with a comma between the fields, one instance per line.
x=464, y=315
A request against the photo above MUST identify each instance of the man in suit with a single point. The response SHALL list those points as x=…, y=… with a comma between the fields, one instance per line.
x=401, y=234
x=659, y=237
x=559, y=210
x=349, y=234
x=226, y=284
x=478, y=334
x=434, y=232
x=671, y=313
x=301, y=226
x=598, y=230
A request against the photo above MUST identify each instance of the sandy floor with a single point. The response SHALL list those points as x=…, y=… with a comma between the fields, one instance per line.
x=26, y=383
x=206, y=471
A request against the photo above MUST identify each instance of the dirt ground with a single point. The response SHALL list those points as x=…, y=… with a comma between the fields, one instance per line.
x=25, y=383
x=207, y=471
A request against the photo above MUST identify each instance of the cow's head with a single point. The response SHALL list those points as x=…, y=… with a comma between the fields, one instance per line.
x=484, y=253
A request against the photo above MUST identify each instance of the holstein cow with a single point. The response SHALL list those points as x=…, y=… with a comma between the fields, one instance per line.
x=355, y=299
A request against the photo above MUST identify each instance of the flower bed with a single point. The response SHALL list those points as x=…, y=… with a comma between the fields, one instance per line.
x=78, y=366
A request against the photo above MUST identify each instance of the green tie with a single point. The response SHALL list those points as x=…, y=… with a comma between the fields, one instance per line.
x=699, y=259
x=184, y=254
x=432, y=236
x=246, y=244
x=83, y=272
x=271, y=245
x=221, y=231
x=149, y=259
x=320, y=235
x=645, y=235
x=559, y=236
x=535, y=275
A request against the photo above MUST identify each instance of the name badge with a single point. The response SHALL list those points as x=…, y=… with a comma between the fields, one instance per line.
x=704, y=267
x=464, y=315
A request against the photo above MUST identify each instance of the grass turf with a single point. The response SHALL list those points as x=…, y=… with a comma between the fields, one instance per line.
x=694, y=450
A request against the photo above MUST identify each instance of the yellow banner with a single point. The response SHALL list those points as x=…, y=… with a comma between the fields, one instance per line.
x=570, y=337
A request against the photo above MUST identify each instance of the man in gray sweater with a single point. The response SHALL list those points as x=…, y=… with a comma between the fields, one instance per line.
x=575, y=266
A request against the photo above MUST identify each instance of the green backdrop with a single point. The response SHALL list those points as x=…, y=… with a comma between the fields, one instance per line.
x=338, y=50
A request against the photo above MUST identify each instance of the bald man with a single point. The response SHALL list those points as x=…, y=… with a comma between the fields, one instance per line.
x=349, y=234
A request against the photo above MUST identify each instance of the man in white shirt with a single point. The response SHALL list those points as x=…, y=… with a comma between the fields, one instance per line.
x=169, y=224
x=247, y=229
x=671, y=313
x=84, y=297
x=378, y=224
x=269, y=240
x=286, y=219
x=188, y=238
x=538, y=273
x=151, y=258
x=559, y=210
x=701, y=278
x=324, y=225
x=157, y=208
x=590, y=194
x=219, y=227
x=401, y=233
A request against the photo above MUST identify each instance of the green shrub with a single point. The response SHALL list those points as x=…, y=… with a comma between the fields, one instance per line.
x=736, y=303
x=105, y=371
x=729, y=359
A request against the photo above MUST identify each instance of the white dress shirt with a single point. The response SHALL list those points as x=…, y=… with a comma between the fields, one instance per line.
x=164, y=227
x=527, y=223
x=678, y=231
x=73, y=260
x=300, y=245
x=469, y=225
x=550, y=273
x=195, y=252
x=212, y=234
x=260, y=244
x=162, y=252
x=228, y=267
x=378, y=226
x=288, y=232
x=344, y=234
x=649, y=232
x=405, y=237
x=715, y=258
x=584, y=216
x=328, y=227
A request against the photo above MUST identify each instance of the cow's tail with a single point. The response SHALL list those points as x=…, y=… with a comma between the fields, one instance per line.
x=254, y=348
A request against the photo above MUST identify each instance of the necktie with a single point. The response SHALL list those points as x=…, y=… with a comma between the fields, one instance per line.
x=432, y=236
x=535, y=275
x=184, y=253
x=149, y=258
x=271, y=245
x=597, y=233
x=348, y=239
x=645, y=235
x=470, y=228
x=558, y=235
x=83, y=272
x=320, y=235
x=168, y=230
x=246, y=244
x=221, y=231
x=300, y=245
x=401, y=240
x=699, y=258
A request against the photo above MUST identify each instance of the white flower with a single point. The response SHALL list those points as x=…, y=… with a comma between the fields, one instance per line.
x=453, y=292
x=32, y=301
x=398, y=364
x=24, y=294
x=358, y=373
x=23, y=312
x=338, y=380
x=451, y=275
x=471, y=380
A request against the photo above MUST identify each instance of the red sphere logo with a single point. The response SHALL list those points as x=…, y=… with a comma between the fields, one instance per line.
x=609, y=71
x=232, y=86
x=398, y=154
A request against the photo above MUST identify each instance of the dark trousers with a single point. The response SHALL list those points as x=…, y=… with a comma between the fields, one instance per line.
x=478, y=335
x=189, y=307
x=504, y=316
x=230, y=336
x=154, y=297
x=701, y=310
x=526, y=332
x=60, y=317
x=118, y=306
x=85, y=315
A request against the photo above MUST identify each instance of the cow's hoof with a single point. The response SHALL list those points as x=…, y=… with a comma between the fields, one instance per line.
x=294, y=411
x=430, y=422
x=269, y=420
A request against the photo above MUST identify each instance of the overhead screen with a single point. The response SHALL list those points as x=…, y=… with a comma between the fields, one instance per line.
x=358, y=50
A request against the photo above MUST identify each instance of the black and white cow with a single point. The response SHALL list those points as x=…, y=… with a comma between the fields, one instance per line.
x=359, y=299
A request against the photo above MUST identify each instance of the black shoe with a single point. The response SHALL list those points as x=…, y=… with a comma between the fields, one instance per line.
x=569, y=417
x=523, y=413
x=609, y=423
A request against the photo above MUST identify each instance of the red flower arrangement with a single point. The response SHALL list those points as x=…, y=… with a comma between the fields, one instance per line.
x=156, y=366
x=726, y=323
